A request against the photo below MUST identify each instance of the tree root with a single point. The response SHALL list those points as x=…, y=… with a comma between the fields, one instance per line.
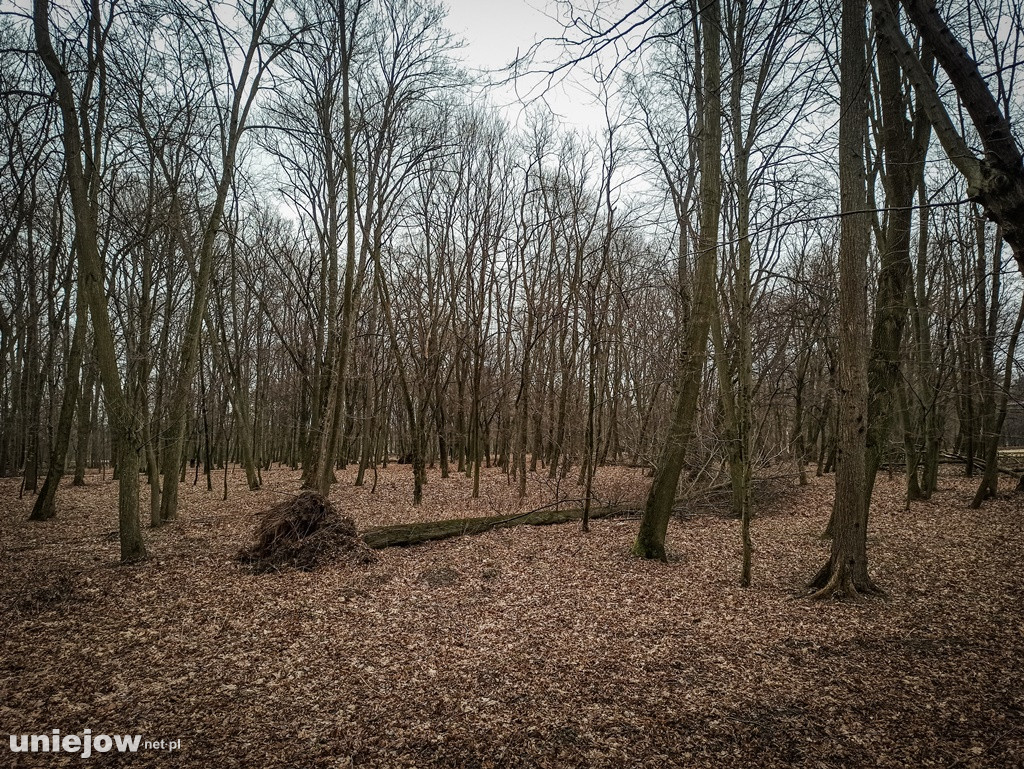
x=841, y=584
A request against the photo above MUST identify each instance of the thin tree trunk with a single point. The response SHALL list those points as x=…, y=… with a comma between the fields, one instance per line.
x=124, y=420
x=86, y=412
x=44, y=507
x=994, y=423
x=905, y=150
x=650, y=542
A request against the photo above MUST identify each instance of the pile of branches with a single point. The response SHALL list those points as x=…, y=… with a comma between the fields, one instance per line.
x=304, y=533
x=716, y=500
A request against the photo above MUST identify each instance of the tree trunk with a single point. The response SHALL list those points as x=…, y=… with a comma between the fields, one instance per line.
x=996, y=180
x=245, y=86
x=416, y=533
x=86, y=412
x=124, y=420
x=904, y=151
x=44, y=507
x=994, y=426
x=845, y=574
x=650, y=541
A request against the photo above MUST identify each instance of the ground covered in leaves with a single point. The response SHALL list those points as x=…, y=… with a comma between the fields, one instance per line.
x=522, y=647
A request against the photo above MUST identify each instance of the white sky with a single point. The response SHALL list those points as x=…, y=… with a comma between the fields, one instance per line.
x=494, y=31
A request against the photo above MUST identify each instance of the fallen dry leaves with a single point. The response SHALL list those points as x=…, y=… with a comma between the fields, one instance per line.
x=524, y=647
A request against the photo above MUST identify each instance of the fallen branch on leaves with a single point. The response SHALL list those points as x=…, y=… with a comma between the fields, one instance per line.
x=305, y=531
x=979, y=463
x=415, y=533
x=404, y=534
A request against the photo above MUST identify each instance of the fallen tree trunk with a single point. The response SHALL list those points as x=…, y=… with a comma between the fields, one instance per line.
x=956, y=459
x=405, y=534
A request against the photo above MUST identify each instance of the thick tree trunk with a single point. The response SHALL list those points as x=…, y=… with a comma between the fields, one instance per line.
x=740, y=456
x=910, y=449
x=845, y=574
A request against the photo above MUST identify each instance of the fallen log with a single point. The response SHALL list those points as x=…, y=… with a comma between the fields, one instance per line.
x=979, y=463
x=404, y=534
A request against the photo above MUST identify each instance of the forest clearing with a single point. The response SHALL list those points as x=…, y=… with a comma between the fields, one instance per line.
x=523, y=647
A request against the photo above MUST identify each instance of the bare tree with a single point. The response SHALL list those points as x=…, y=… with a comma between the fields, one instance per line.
x=650, y=542
x=258, y=43
x=82, y=137
x=996, y=181
x=845, y=574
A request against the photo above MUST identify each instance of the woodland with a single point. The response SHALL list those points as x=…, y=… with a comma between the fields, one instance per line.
x=355, y=415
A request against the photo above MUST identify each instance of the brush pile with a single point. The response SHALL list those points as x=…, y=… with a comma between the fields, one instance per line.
x=304, y=533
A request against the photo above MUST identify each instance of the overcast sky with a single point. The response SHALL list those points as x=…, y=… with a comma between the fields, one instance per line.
x=494, y=31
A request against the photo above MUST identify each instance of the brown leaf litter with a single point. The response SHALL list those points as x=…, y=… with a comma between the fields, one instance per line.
x=524, y=647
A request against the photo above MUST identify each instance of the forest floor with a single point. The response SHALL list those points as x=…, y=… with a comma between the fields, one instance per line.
x=521, y=647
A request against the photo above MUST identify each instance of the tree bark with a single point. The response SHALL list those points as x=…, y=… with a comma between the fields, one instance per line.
x=124, y=420
x=44, y=507
x=431, y=531
x=650, y=541
x=994, y=423
x=845, y=574
x=245, y=88
x=996, y=181
x=86, y=412
x=905, y=146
